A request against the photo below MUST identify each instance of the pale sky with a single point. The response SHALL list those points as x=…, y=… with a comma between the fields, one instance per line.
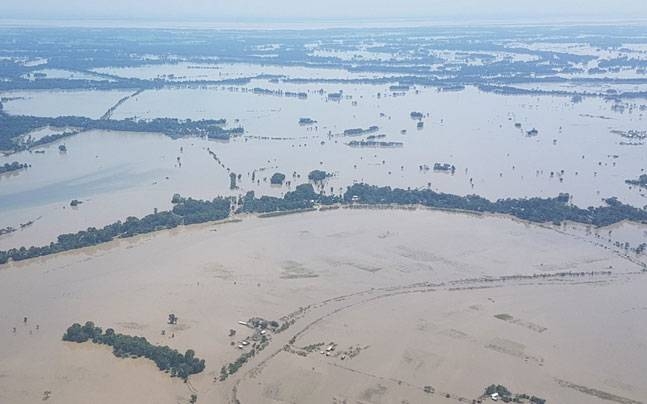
x=254, y=10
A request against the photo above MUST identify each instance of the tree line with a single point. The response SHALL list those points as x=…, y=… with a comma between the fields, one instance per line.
x=185, y=211
x=539, y=210
x=304, y=196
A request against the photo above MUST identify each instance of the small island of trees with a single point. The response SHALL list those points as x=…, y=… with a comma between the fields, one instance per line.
x=318, y=175
x=277, y=179
x=15, y=166
x=306, y=121
x=126, y=346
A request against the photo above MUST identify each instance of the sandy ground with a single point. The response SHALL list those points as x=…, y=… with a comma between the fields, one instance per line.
x=410, y=298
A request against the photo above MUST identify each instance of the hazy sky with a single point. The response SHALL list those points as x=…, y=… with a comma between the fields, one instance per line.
x=231, y=10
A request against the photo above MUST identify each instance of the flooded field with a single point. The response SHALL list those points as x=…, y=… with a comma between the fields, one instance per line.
x=487, y=137
x=337, y=274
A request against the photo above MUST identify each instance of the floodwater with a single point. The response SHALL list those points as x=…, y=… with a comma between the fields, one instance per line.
x=121, y=174
x=342, y=272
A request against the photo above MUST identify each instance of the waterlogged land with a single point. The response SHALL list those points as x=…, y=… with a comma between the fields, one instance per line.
x=531, y=139
x=502, y=143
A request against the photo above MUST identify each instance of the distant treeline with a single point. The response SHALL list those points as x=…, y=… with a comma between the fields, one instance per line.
x=413, y=52
x=126, y=346
x=16, y=125
x=188, y=211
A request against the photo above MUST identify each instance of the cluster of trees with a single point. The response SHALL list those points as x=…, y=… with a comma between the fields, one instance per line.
x=277, y=178
x=444, y=167
x=124, y=346
x=640, y=182
x=539, y=210
x=232, y=181
x=306, y=121
x=15, y=166
x=15, y=125
x=303, y=197
x=318, y=175
x=199, y=211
